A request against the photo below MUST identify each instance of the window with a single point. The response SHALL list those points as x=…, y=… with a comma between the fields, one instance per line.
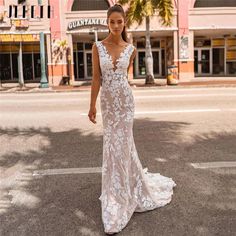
x=141, y=44
x=10, y=12
x=41, y=11
x=24, y=11
x=49, y=11
x=85, y=5
x=215, y=3
x=15, y=14
x=202, y=43
x=32, y=11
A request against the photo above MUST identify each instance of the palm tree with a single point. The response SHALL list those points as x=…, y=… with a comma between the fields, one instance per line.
x=137, y=11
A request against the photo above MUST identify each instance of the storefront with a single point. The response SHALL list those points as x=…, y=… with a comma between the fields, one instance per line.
x=82, y=60
x=159, y=59
x=86, y=31
x=82, y=54
x=201, y=40
x=214, y=56
x=10, y=47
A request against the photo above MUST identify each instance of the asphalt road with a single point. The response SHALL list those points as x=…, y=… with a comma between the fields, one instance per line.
x=51, y=158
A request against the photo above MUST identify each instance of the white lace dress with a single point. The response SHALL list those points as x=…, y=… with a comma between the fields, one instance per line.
x=126, y=186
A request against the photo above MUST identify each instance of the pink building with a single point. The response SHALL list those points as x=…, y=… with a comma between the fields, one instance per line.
x=201, y=40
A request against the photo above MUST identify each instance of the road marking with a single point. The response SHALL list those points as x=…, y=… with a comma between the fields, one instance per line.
x=68, y=171
x=203, y=165
x=13, y=114
x=167, y=111
x=161, y=159
x=208, y=165
x=78, y=99
x=177, y=111
x=187, y=95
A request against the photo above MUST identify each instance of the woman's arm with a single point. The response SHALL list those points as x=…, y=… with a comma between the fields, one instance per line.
x=96, y=83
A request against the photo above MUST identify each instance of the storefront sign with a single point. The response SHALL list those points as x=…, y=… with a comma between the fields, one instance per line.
x=231, y=55
x=86, y=22
x=20, y=23
x=19, y=37
x=231, y=42
x=218, y=42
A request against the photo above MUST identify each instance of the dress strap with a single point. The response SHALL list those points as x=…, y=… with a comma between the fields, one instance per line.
x=101, y=50
x=130, y=49
x=98, y=46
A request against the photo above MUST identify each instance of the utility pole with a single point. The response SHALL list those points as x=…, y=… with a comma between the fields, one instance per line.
x=20, y=67
x=43, y=81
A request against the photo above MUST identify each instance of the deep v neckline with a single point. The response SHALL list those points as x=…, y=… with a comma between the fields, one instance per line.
x=114, y=65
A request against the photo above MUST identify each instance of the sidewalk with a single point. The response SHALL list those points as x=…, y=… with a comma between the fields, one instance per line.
x=137, y=83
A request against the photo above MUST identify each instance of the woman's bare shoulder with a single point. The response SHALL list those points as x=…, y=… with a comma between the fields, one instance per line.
x=95, y=47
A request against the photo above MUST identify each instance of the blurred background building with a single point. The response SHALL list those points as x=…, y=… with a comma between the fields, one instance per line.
x=201, y=40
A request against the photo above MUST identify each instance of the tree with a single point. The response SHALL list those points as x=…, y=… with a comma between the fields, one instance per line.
x=137, y=11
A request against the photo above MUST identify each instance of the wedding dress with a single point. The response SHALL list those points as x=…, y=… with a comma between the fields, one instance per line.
x=126, y=186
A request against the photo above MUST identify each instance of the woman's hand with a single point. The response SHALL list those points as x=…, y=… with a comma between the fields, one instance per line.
x=92, y=114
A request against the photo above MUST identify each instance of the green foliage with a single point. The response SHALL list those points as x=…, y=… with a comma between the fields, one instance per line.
x=139, y=9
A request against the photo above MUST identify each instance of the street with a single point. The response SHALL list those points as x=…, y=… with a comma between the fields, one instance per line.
x=51, y=158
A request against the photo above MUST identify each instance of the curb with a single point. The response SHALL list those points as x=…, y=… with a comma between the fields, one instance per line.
x=17, y=90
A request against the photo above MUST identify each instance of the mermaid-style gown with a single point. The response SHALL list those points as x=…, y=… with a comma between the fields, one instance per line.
x=126, y=186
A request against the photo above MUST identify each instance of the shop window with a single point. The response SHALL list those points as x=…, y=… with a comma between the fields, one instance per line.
x=231, y=67
x=37, y=65
x=156, y=62
x=14, y=57
x=92, y=5
x=218, y=60
x=9, y=60
x=141, y=44
x=155, y=44
x=5, y=66
x=163, y=64
x=88, y=45
x=141, y=63
x=75, y=65
x=81, y=72
x=231, y=56
x=202, y=43
x=215, y=3
x=80, y=46
x=27, y=66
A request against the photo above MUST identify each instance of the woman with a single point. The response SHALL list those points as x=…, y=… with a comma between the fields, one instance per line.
x=126, y=186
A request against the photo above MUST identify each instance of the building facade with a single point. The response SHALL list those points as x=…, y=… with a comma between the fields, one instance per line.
x=200, y=42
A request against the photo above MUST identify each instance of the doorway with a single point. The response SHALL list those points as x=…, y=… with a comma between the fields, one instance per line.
x=202, y=61
x=157, y=65
x=88, y=65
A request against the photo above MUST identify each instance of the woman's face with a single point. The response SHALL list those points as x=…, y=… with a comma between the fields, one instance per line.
x=116, y=23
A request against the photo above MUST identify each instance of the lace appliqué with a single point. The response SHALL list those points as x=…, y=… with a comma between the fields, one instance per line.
x=126, y=186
